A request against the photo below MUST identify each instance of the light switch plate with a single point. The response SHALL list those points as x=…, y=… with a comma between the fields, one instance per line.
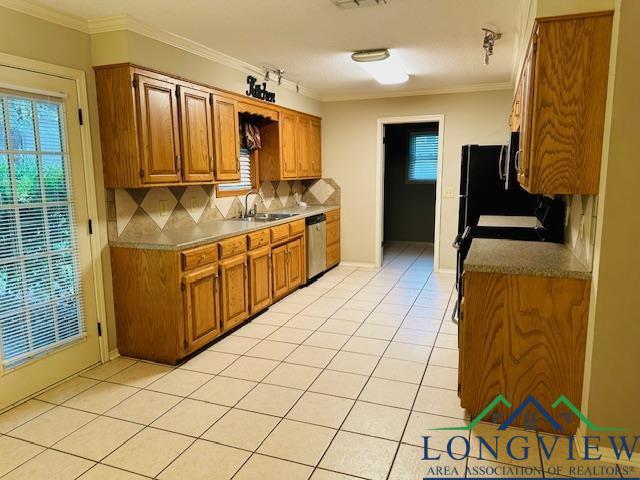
x=447, y=192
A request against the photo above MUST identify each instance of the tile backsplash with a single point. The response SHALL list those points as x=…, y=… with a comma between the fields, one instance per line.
x=148, y=210
x=580, y=227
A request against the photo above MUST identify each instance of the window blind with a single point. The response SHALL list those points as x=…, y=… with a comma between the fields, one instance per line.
x=423, y=156
x=40, y=295
x=245, y=182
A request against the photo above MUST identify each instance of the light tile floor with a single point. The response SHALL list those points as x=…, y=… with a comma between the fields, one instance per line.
x=339, y=380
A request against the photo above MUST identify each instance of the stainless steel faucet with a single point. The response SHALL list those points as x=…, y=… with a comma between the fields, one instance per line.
x=255, y=206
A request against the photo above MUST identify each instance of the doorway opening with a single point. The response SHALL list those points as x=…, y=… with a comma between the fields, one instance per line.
x=410, y=166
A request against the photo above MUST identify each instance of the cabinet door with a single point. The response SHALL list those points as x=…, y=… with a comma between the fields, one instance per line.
x=303, y=134
x=295, y=264
x=259, y=279
x=288, y=145
x=526, y=119
x=201, y=307
x=158, y=130
x=227, y=138
x=315, y=148
x=233, y=291
x=279, y=271
x=196, y=134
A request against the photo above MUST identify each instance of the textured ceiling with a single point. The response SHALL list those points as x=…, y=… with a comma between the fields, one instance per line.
x=439, y=41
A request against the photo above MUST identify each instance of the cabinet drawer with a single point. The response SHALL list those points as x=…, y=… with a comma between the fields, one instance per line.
x=196, y=257
x=333, y=254
x=333, y=233
x=258, y=239
x=232, y=246
x=296, y=228
x=333, y=216
x=280, y=232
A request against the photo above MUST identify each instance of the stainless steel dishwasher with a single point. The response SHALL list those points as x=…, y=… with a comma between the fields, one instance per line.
x=316, y=245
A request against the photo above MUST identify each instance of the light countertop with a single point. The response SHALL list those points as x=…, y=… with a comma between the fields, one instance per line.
x=517, y=257
x=212, y=231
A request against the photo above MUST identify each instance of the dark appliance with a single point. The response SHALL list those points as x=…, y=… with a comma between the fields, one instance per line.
x=482, y=186
x=507, y=213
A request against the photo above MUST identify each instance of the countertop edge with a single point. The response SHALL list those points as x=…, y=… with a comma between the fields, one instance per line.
x=216, y=238
x=528, y=271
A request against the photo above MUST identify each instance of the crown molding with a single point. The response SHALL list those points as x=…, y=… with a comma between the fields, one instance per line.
x=47, y=14
x=481, y=87
x=125, y=22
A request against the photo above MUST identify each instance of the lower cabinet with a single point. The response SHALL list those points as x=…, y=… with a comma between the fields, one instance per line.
x=259, y=279
x=279, y=271
x=295, y=264
x=333, y=238
x=201, y=312
x=234, y=298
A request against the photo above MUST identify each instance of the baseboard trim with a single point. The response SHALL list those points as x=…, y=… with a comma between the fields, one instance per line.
x=607, y=453
x=446, y=270
x=114, y=354
x=358, y=264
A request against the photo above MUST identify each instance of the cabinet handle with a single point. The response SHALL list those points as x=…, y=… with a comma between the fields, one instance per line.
x=518, y=161
x=238, y=163
x=217, y=287
x=179, y=163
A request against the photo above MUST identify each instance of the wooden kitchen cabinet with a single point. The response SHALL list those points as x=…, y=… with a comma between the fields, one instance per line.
x=259, y=279
x=333, y=238
x=279, y=272
x=196, y=134
x=201, y=310
x=563, y=92
x=157, y=111
x=227, y=138
x=302, y=142
x=234, y=297
x=315, y=148
x=520, y=336
x=295, y=264
x=288, y=153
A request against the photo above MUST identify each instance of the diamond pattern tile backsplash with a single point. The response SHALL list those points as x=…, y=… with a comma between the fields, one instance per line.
x=148, y=210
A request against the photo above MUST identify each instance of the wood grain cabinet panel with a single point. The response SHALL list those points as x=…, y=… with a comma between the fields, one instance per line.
x=315, y=148
x=196, y=134
x=279, y=265
x=158, y=124
x=234, y=298
x=288, y=152
x=259, y=279
x=523, y=336
x=302, y=145
x=333, y=238
x=199, y=256
x=295, y=264
x=258, y=239
x=232, y=246
x=564, y=87
x=227, y=138
x=201, y=307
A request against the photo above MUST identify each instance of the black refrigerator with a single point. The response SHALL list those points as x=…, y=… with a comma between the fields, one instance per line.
x=482, y=186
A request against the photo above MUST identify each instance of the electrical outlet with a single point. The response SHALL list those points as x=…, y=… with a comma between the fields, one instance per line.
x=448, y=192
x=192, y=203
x=164, y=210
x=581, y=229
x=212, y=202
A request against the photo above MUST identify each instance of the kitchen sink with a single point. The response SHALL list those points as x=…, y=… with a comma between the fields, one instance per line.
x=265, y=217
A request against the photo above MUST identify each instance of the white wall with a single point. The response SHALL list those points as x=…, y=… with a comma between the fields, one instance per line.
x=349, y=157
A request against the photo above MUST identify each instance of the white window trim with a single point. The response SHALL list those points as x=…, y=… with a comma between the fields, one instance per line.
x=96, y=240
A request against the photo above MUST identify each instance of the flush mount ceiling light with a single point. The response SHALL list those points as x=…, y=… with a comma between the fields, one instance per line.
x=379, y=63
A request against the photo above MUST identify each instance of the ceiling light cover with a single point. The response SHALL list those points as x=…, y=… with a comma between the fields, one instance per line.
x=382, y=66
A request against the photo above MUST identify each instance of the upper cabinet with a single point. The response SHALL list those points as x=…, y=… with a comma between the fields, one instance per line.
x=156, y=129
x=196, y=134
x=560, y=104
x=297, y=153
x=227, y=138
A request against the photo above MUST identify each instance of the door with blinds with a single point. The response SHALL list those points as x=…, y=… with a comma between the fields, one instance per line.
x=48, y=320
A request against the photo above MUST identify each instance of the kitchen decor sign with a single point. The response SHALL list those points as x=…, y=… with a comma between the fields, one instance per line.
x=258, y=91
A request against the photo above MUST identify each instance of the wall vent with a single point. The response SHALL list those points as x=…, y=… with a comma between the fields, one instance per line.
x=357, y=3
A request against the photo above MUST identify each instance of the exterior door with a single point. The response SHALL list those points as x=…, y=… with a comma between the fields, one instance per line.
x=48, y=307
x=158, y=130
x=279, y=271
x=295, y=266
x=233, y=291
x=288, y=147
x=201, y=307
x=227, y=138
x=259, y=279
x=196, y=135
